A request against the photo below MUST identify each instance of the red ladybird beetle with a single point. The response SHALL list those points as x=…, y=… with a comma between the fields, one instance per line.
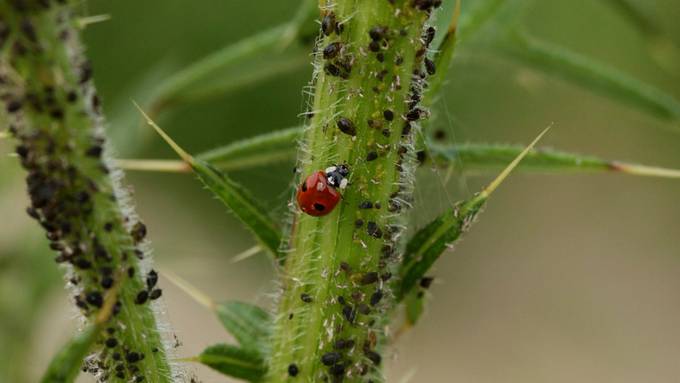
x=317, y=196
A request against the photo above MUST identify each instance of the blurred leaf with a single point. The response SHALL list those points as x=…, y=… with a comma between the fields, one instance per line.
x=203, y=72
x=239, y=200
x=234, y=361
x=278, y=146
x=428, y=243
x=661, y=47
x=249, y=324
x=264, y=149
x=65, y=366
x=494, y=156
x=592, y=75
x=474, y=18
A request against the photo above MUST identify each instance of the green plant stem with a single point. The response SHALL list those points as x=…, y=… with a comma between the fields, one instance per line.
x=330, y=317
x=54, y=115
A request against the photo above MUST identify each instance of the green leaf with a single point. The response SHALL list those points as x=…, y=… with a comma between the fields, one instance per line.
x=265, y=149
x=592, y=75
x=425, y=247
x=240, y=201
x=249, y=324
x=204, y=71
x=65, y=366
x=234, y=361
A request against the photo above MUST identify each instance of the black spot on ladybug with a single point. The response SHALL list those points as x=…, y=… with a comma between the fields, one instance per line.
x=319, y=207
x=303, y=187
x=346, y=126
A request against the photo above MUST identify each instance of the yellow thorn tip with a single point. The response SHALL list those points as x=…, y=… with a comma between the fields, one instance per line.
x=506, y=172
x=186, y=157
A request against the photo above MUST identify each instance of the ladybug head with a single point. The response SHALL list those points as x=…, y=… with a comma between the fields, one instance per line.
x=337, y=176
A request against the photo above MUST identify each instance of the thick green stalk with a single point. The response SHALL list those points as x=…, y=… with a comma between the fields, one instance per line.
x=331, y=316
x=53, y=112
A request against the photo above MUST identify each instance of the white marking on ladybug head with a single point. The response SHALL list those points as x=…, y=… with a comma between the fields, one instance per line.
x=330, y=169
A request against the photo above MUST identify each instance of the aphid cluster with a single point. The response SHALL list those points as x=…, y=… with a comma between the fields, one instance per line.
x=71, y=193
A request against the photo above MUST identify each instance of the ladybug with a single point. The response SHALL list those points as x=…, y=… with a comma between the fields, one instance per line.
x=318, y=194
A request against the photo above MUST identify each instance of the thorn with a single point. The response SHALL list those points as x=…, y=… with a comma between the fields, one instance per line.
x=84, y=22
x=643, y=170
x=186, y=157
x=504, y=174
x=167, y=166
x=246, y=254
x=191, y=290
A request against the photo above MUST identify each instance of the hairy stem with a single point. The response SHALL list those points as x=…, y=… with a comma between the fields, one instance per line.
x=54, y=113
x=368, y=79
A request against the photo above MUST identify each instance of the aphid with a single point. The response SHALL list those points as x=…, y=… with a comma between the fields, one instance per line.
x=138, y=232
x=293, y=369
x=328, y=24
x=142, y=297
x=377, y=33
x=111, y=342
x=151, y=279
x=429, y=35
x=331, y=50
x=369, y=278
x=306, y=298
x=346, y=126
x=330, y=358
x=155, y=294
x=426, y=282
x=376, y=297
x=372, y=155
x=430, y=67
x=373, y=357
x=316, y=197
x=388, y=114
x=373, y=230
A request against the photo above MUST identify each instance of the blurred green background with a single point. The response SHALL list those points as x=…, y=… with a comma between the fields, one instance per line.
x=566, y=278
